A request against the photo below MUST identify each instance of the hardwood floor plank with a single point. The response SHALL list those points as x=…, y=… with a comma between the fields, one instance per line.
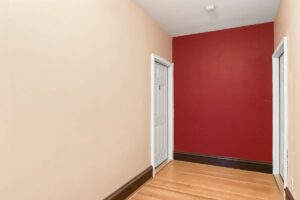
x=226, y=172
x=184, y=180
x=161, y=193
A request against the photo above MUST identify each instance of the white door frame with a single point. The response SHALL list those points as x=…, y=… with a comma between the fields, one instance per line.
x=170, y=66
x=282, y=48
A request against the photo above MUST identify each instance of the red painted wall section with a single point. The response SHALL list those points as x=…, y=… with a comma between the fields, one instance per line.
x=223, y=92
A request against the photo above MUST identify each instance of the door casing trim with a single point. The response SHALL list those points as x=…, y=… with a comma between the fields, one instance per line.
x=170, y=66
x=282, y=48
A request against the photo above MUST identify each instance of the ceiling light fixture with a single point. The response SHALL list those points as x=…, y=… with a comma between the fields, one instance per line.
x=210, y=8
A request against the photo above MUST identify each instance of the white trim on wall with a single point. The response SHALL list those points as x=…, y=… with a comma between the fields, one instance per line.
x=282, y=48
x=156, y=58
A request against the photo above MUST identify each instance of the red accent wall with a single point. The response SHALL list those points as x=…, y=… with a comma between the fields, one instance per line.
x=223, y=92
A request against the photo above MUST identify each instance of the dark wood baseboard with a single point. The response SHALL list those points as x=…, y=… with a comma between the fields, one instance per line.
x=224, y=162
x=130, y=187
x=288, y=194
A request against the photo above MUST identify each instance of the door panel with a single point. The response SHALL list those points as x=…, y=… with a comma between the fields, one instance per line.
x=281, y=116
x=160, y=114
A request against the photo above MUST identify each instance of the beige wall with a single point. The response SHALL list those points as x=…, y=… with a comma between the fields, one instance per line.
x=5, y=103
x=287, y=23
x=76, y=120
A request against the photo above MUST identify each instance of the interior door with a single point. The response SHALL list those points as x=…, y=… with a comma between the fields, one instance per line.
x=160, y=114
x=281, y=117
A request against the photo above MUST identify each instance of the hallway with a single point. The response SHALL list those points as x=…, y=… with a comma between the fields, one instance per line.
x=95, y=94
x=184, y=180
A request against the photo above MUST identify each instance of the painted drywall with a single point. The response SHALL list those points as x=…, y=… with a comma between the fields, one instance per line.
x=223, y=92
x=80, y=97
x=287, y=24
x=5, y=103
x=179, y=17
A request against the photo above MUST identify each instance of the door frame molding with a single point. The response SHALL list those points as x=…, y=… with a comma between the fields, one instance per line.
x=170, y=66
x=282, y=48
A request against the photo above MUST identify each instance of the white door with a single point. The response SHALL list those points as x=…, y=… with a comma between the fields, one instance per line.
x=281, y=117
x=160, y=114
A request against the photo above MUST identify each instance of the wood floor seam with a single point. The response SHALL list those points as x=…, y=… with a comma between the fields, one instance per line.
x=183, y=193
x=219, y=190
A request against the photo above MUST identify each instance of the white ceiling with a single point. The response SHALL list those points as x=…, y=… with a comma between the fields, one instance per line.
x=184, y=17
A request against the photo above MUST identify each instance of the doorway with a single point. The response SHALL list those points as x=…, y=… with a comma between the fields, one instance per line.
x=280, y=116
x=162, y=111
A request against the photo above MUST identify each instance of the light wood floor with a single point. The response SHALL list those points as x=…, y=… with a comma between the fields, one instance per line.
x=185, y=181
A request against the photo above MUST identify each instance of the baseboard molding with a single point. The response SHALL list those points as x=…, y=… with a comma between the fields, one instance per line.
x=288, y=194
x=224, y=162
x=130, y=187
